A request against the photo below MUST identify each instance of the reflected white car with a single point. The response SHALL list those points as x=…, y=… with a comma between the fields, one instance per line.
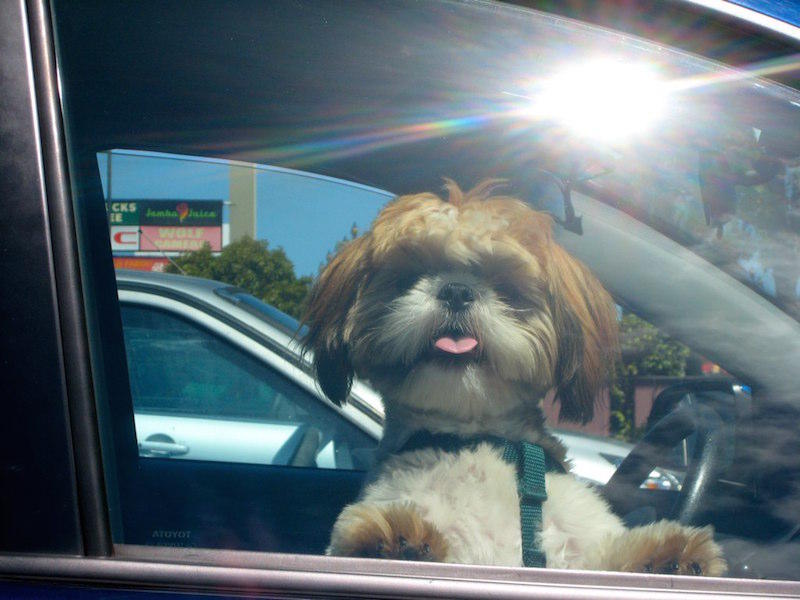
x=595, y=459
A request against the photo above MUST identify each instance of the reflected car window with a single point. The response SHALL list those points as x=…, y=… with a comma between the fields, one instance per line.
x=196, y=397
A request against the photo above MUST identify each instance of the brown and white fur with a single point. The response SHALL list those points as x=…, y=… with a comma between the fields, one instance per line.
x=463, y=313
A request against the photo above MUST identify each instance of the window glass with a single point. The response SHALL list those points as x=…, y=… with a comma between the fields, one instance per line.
x=161, y=206
x=653, y=374
x=255, y=155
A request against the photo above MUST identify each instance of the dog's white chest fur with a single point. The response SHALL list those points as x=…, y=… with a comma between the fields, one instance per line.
x=471, y=496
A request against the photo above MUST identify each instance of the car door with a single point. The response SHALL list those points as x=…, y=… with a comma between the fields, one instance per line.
x=79, y=489
x=212, y=411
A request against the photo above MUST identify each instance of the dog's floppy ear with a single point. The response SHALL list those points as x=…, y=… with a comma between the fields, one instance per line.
x=586, y=325
x=328, y=305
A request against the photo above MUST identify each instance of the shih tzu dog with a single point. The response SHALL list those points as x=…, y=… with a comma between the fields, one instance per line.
x=463, y=313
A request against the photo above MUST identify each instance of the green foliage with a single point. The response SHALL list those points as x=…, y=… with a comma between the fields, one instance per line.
x=763, y=205
x=252, y=266
x=645, y=351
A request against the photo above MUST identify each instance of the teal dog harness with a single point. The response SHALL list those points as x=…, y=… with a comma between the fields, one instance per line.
x=531, y=464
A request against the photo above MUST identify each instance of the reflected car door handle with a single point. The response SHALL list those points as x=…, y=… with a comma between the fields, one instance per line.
x=158, y=448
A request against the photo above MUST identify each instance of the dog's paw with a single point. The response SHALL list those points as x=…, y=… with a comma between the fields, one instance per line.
x=395, y=531
x=668, y=548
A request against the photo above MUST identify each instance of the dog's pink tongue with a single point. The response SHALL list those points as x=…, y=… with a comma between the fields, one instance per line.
x=460, y=346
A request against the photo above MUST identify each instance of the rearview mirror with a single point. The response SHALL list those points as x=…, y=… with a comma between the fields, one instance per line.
x=552, y=194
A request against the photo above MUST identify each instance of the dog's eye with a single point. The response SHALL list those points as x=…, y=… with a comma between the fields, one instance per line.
x=519, y=297
x=508, y=293
x=404, y=281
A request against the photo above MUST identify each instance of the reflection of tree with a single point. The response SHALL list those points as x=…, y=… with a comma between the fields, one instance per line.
x=748, y=190
x=251, y=265
x=740, y=163
x=645, y=351
x=763, y=206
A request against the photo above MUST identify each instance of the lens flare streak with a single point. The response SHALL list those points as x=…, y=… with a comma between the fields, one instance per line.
x=604, y=99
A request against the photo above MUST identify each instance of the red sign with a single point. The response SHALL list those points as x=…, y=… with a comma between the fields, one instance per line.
x=179, y=239
x=125, y=237
x=140, y=263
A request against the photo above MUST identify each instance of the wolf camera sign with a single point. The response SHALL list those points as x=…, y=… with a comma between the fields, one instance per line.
x=165, y=225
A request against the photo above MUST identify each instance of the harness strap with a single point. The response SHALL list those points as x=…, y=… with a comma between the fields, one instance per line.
x=530, y=462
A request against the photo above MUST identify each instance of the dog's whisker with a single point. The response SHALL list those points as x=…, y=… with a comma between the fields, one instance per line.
x=518, y=310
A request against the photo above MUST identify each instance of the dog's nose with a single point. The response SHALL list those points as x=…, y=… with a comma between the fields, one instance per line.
x=457, y=296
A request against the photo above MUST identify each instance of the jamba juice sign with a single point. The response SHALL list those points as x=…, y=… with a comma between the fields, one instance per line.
x=180, y=213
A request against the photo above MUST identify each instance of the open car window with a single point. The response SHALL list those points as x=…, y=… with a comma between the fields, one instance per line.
x=239, y=164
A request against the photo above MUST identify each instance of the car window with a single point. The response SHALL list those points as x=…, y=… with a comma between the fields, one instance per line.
x=470, y=230
x=197, y=397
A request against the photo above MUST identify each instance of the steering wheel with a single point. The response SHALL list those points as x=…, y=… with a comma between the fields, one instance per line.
x=705, y=464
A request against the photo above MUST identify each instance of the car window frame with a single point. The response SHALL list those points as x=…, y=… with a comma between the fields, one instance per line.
x=36, y=182
x=180, y=569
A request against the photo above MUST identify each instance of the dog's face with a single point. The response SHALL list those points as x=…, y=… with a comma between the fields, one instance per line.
x=463, y=307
